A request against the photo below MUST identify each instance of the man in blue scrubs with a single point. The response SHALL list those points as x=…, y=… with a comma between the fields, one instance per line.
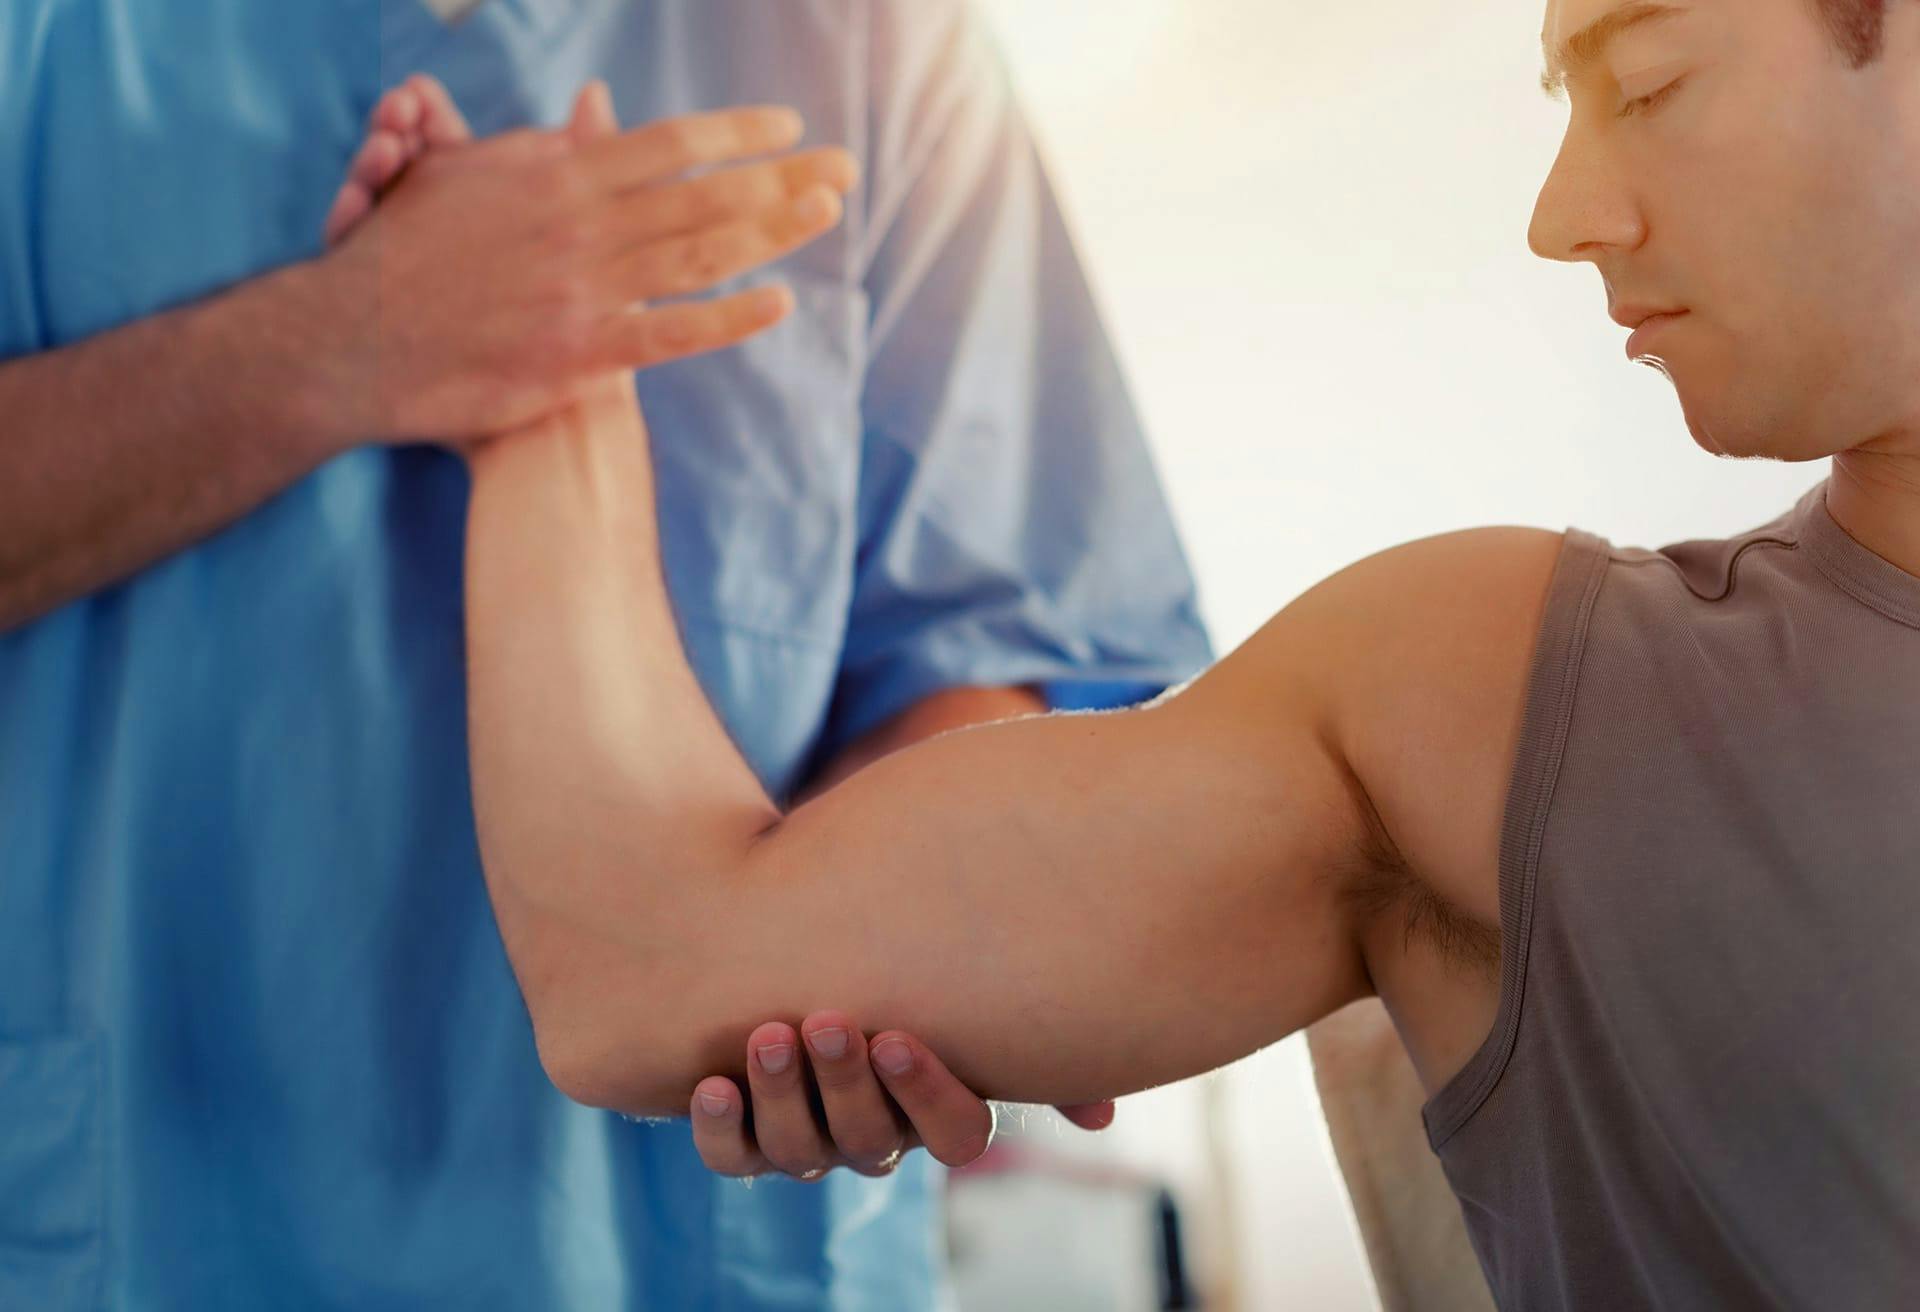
x=259, y=1044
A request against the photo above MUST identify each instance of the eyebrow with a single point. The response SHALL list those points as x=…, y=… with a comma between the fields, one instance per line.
x=1588, y=46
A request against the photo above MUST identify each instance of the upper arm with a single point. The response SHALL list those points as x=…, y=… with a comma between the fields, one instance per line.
x=1438, y=637
x=1429, y=700
x=1066, y=907
x=1070, y=907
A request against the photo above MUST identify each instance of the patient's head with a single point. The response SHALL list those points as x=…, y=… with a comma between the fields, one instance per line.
x=1755, y=163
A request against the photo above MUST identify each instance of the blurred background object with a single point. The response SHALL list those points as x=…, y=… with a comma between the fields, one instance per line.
x=1033, y=1224
x=1306, y=224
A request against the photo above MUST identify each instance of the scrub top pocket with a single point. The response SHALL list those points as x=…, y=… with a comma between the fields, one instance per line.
x=52, y=1180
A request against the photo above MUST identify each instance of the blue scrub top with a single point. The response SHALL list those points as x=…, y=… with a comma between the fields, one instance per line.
x=259, y=1043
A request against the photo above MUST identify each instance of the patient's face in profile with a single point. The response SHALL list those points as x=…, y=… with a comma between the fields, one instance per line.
x=1726, y=158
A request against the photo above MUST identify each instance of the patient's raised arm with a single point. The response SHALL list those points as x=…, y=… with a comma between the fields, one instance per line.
x=1064, y=907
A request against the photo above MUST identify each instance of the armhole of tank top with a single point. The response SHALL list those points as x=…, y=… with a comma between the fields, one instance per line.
x=1553, y=679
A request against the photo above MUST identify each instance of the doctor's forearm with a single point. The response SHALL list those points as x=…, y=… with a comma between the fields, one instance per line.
x=938, y=713
x=125, y=448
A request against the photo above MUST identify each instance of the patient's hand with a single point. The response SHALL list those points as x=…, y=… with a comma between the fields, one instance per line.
x=879, y=1098
x=499, y=274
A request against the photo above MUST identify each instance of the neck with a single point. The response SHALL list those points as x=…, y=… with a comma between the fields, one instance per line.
x=1875, y=496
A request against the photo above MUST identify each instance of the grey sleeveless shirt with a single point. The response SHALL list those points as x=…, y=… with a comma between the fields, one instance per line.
x=1703, y=1086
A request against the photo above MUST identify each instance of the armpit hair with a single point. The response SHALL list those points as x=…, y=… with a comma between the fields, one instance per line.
x=1379, y=881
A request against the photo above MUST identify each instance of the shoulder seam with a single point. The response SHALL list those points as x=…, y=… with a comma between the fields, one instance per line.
x=1733, y=565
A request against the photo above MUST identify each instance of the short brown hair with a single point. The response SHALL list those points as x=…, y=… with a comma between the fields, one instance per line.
x=1858, y=27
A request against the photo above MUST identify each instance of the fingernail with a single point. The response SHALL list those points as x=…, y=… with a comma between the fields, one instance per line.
x=713, y=1104
x=893, y=1056
x=775, y=1057
x=829, y=1043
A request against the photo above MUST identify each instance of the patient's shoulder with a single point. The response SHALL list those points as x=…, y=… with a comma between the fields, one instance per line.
x=1427, y=690
x=1450, y=617
x=1406, y=675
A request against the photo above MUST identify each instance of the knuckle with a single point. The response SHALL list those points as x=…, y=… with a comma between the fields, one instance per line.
x=587, y=234
x=839, y=1074
x=681, y=208
x=572, y=329
x=669, y=335
x=571, y=236
x=840, y=1086
x=877, y=1167
x=799, y=1165
x=679, y=145
x=573, y=181
x=560, y=181
x=869, y=1145
x=717, y=200
x=965, y=1149
x=705, y=260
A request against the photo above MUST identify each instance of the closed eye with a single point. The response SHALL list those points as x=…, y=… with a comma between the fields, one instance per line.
x=1652, y=100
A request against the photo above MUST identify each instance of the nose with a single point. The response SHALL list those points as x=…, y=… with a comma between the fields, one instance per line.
x=1585, y=210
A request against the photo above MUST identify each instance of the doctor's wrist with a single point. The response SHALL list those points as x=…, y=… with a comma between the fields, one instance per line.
x=318, y=343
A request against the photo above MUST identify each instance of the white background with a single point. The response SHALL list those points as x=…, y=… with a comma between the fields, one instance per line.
x=1306, y=222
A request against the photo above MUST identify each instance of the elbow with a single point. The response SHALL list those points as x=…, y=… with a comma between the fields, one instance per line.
x=613, y=1032
x=615, y=997
x=618, y=1072
x=591, y=1080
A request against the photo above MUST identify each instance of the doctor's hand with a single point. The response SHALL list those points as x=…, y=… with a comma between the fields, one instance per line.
x=877, y=1099
x=495, y=277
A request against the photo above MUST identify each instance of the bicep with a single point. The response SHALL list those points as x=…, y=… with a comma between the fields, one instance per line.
x=1066, y=907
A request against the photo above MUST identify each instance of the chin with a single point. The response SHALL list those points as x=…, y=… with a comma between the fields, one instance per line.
x=1743, y=434
x=1720, y=434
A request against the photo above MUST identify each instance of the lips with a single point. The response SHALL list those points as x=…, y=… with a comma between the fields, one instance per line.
x=1633, y=316
x=1646, y=322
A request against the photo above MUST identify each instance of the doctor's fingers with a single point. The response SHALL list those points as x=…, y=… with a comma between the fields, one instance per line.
x=658, y=151
x=867, y=1130
x=640, y=339
x=728, y=196
x=784, y=1124
x=441, y=123
x=700, y=261
x=955, y=1125
x=719, y=1117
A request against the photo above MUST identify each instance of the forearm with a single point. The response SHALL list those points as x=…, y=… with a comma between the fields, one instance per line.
x=124, y=448
x=606, y=795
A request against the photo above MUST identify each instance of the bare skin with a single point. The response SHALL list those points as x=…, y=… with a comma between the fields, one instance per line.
x=1795, y=344
x=1267, y=844
x=859, y=1126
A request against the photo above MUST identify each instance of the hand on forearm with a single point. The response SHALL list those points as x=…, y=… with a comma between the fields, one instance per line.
x=494, y=281
x=501, y=275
